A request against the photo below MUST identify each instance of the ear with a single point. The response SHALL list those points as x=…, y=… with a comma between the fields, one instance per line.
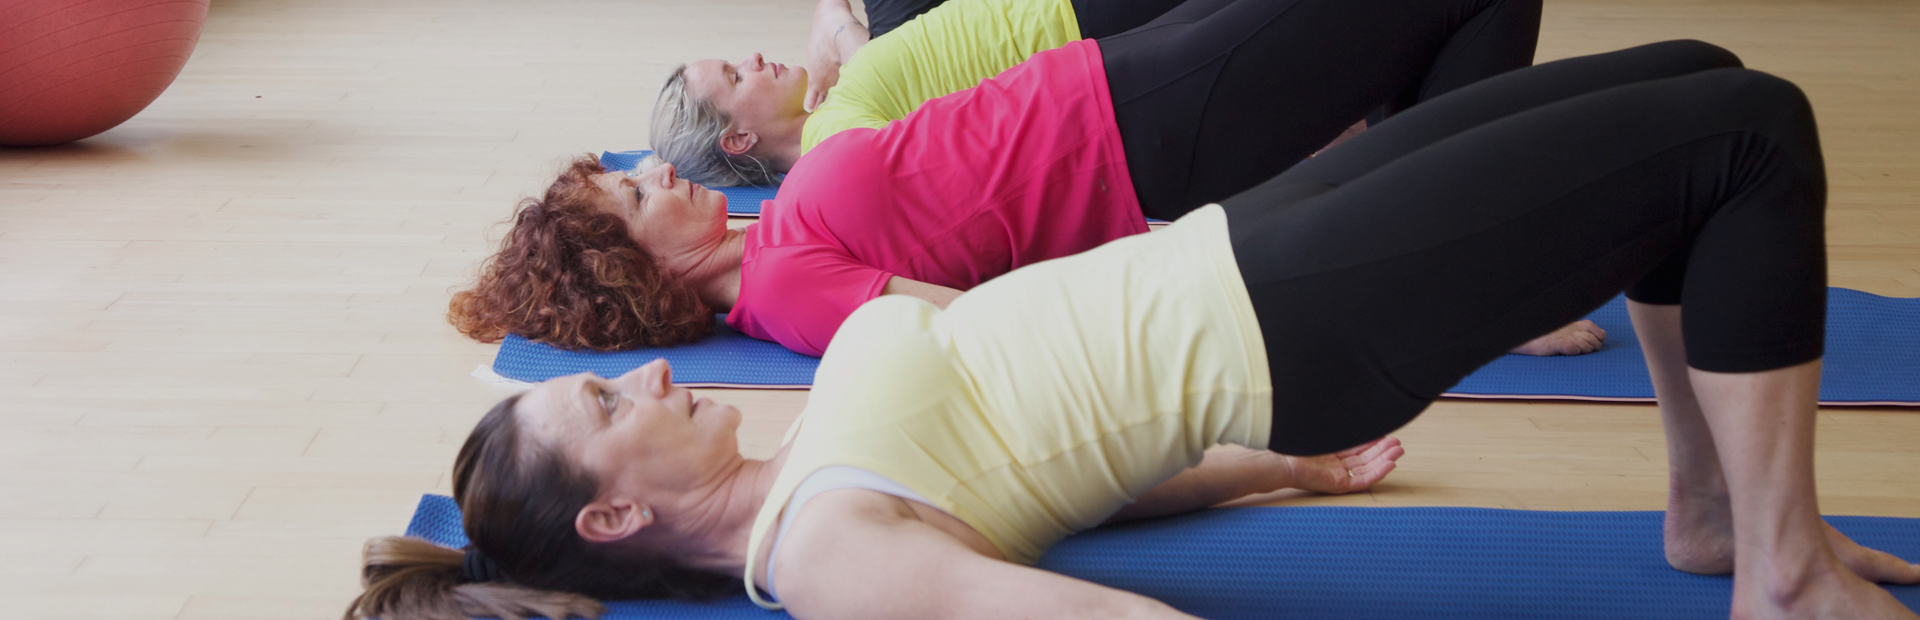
x=738, y=142
x=611, y=520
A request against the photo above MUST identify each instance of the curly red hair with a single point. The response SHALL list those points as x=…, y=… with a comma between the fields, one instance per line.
x=567, y=274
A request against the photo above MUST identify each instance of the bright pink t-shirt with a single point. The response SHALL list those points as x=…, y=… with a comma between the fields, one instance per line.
x=1026, y=167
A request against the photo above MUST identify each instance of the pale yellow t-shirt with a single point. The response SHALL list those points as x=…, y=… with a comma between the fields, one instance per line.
x=1043, y=401
x=947, y=50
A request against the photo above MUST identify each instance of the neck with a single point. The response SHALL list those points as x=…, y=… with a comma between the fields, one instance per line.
x=716, y=274
x=720, y=524
x=782, y=150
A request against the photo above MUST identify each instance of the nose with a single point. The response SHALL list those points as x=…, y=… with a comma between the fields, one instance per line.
x=756, y=61
x=658, y=377
x=664, y=173
x=655, y=377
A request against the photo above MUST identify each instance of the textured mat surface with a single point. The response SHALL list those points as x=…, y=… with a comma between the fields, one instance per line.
x=726, y=358
x=1873, y=358
x=1364, y=563
x=741, y=201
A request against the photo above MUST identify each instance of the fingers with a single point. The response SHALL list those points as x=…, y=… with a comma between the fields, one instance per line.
x=1362, y=448
x=1365, y=476
x=1387, y=455
x=1385, y=447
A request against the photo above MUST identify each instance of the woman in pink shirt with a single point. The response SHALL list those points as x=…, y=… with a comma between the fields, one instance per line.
x=1069, y=150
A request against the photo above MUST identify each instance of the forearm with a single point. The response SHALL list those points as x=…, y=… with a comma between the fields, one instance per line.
x=1224, y=474
x=844, y=34
x=848, y=38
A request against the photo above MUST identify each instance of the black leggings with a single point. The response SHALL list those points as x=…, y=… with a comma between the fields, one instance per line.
x=1097, y=18
x=1217, y=96
x=1386, y=270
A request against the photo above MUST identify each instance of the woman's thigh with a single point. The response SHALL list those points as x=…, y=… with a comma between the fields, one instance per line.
x=1219, y=95
x=885, y=15
x=1100, y=19
x=1378, y=292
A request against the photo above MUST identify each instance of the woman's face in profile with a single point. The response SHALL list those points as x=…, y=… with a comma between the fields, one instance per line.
x=665, y=214
x=637, y=433
x=760, y=96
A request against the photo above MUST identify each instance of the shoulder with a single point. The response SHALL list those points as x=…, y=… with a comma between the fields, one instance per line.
x=845, y=108
x=886, y=358
x=853, y=536
x=842, y=140
x=889, y=326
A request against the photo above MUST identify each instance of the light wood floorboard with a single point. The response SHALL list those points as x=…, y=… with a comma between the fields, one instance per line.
x=224, y=363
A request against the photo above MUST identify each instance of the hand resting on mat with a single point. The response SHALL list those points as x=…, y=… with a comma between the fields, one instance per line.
x=1231, y=472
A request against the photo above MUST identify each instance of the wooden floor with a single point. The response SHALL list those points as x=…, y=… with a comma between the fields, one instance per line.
x=224, y=365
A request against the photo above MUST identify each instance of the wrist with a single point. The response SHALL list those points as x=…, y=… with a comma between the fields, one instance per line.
x=846, y=40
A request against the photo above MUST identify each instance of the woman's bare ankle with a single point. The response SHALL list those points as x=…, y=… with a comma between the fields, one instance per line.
x=1699, y=533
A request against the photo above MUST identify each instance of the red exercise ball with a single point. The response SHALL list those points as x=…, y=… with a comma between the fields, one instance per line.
x=70, y=69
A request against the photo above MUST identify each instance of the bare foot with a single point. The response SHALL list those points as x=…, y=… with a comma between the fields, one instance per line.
x=1871, y=564
x=1346, y=471
x=1828, y=590
x=1699, y=539
x=1576, y=338
x=1699, y=533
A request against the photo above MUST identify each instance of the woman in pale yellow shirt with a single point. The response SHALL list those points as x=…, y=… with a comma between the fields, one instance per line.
x=942, y=450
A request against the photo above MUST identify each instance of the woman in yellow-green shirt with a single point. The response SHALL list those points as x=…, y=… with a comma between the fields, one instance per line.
x=751, y=138
x=746, y=122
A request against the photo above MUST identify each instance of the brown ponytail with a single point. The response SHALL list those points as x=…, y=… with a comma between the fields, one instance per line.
x=412, y=579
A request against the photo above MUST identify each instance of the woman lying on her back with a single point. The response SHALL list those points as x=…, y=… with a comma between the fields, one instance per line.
x=942, y=451
x=1042, y=161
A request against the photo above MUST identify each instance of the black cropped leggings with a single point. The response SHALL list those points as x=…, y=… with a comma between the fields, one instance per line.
x=1389, y=268
x=1096, y=18
x=1217, y=96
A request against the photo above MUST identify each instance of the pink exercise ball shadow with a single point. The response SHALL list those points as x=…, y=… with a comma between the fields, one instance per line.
x=70, y=69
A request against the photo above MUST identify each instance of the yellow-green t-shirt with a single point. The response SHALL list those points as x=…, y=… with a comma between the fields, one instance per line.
x=947, y=50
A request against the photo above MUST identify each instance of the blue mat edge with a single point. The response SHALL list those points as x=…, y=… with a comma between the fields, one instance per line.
x=1684, y=595
x=785, y=370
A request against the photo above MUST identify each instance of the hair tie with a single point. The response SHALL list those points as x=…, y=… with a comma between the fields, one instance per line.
x=476, y=567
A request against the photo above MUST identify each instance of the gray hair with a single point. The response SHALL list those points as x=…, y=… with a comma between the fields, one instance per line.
x=686, y=132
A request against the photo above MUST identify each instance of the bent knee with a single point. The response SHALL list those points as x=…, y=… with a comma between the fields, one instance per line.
x=1701, y=55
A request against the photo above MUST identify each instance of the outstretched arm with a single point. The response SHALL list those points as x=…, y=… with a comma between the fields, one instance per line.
x=1230, y=473
x=870, y=558
x=837, y=34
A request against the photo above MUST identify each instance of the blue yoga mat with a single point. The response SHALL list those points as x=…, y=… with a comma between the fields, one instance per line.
x=1873, y=358
x=741, y=201
x=727, y=358
x=1361, y=564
